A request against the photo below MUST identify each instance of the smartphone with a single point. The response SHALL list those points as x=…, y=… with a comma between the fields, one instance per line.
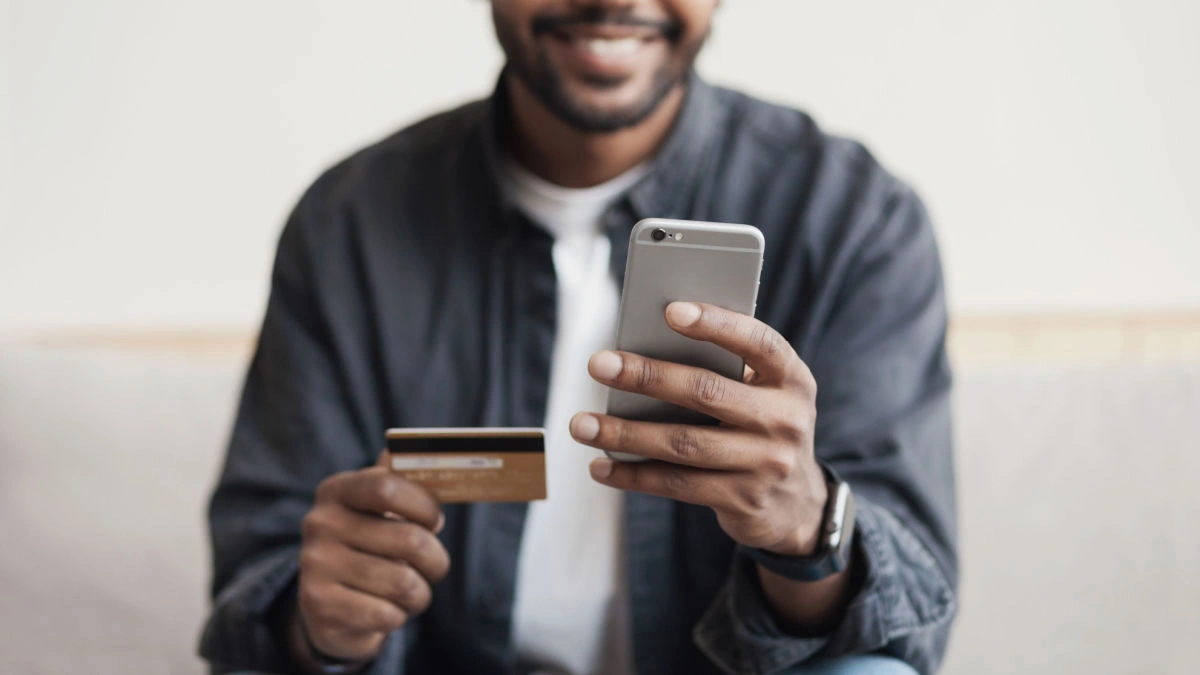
x=669, y=260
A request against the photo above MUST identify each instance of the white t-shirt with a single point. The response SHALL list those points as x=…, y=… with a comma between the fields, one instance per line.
x=570, y=614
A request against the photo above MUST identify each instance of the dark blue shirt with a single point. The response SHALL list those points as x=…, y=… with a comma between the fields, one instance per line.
x=408, y=292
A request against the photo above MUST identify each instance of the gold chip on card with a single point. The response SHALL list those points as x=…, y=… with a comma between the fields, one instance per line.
x=486, y=464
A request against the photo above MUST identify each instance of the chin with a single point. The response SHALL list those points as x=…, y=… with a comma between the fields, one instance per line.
x=609, y=103
x=610, y=108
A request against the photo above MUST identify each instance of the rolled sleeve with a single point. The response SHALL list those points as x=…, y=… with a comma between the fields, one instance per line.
x=305, y=414
x=905, y=600
x=884, y=424
x=238, y=633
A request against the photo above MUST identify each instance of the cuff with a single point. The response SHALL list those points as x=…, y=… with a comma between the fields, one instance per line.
x=905, y=599
x=238, y=634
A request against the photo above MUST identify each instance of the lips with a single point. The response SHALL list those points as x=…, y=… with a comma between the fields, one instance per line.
x=606, y=56
x=607, y=31
x=597, y=22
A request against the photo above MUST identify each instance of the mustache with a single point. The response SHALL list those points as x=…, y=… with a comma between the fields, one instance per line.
x=599, y=16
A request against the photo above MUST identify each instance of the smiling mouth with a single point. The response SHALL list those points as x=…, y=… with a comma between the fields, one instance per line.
x=606, y=47
x=597, y=25
x=603, y=50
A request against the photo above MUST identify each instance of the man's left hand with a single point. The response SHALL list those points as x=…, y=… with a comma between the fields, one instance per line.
x=756, y=470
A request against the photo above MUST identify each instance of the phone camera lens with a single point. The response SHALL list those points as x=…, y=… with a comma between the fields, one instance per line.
x=659, y=234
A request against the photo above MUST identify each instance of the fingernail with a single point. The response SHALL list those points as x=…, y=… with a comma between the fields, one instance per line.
x=683, y=313
x=605, y=365
x=601, y=468
x=585, y=427
x=441, y=523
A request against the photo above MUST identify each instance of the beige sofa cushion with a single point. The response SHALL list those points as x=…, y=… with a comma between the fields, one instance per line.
x=105, y=461
x=1080, y=520
x=1078, y=489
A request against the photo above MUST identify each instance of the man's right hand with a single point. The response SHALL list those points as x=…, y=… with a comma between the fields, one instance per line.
x=368, y=558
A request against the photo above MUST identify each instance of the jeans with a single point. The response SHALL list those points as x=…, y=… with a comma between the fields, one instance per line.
x=861, y=664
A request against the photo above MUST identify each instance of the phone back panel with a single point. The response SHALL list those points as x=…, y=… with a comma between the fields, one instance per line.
x=715, y=263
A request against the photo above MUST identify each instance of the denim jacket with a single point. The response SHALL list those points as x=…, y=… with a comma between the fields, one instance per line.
x=408, y=292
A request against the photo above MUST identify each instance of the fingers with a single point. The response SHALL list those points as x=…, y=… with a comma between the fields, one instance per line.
x=368, y=558
x=701, y=390
x=770, y=360
x=346, y=621
x=395, y=540
x=378, y=491
x=762, y=347
x=343, y=617
x=349, y=595
x=673, y=481
x=396, y=582
x=702, y=447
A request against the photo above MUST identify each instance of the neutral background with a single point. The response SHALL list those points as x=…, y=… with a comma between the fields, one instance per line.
x=149, y=151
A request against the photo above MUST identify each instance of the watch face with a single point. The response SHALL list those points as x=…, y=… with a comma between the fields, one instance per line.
x=839, y=522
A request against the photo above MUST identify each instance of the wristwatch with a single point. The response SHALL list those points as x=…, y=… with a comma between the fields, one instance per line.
x=836, y=536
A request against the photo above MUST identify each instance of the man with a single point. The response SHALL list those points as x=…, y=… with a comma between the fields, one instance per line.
x=465, y=272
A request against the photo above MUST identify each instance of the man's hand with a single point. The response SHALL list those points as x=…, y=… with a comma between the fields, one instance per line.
x=368, y=558
x=756, y=470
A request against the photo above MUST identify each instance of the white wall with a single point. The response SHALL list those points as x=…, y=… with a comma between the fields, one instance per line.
x=6, y=124
x=155, y=147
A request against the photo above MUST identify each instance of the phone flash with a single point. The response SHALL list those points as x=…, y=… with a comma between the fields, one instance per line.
x=678, y=236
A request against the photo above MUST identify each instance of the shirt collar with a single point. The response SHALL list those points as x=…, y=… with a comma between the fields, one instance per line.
x=665, y=190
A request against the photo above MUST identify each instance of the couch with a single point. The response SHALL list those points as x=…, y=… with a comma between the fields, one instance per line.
x=1079, y=488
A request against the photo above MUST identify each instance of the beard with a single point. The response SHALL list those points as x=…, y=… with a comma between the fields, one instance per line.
x=538, y=73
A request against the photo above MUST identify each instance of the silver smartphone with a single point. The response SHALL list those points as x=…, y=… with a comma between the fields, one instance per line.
x=669, y=260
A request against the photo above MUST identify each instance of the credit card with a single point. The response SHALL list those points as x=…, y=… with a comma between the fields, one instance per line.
x=487, y=464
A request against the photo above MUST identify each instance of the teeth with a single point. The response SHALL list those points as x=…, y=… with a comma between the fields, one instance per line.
x=609, y=47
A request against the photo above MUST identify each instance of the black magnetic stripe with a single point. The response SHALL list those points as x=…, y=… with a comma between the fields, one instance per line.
x=467, y=444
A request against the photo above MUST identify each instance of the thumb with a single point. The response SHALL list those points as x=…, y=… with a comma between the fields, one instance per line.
x=382, y=462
